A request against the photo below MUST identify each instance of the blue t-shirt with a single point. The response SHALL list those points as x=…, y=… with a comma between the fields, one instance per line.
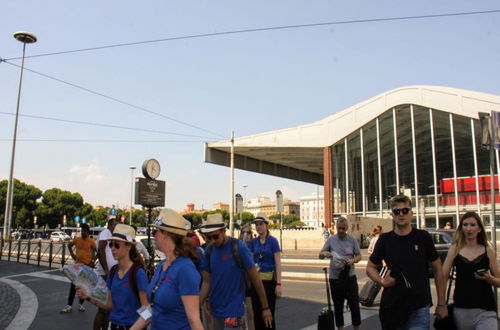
x=198, y=263
x=180, y=279
x=125, y=302
x=227, y=294
x=263, y=254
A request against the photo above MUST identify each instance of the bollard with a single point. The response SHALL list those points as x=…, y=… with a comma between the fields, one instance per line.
x=28, y=252
x=18, y=249
x=10, y=249
x=63, y=255
x=50, y=253
x=295, y=244
x=39, y=252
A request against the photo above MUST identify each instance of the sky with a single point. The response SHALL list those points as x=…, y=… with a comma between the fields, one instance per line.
x=164, y=99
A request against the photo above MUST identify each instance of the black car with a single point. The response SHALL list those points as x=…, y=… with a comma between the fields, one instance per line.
x=442, y=241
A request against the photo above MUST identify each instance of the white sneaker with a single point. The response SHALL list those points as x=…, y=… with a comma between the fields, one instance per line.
x=66, y=309
x=81, y=308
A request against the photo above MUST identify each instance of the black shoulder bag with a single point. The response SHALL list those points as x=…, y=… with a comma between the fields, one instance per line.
x=447, y=323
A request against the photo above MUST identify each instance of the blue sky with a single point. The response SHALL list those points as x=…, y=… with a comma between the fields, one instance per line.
x=248, y=83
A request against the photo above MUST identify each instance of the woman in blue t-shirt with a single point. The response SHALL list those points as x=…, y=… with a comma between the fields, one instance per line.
x=175, y=287
x=267, y=254
x=127, y=281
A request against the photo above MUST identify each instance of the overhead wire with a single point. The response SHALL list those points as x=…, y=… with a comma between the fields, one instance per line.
x=88, y=123
x=101, y=140
x=271, y=28
x=114, y=99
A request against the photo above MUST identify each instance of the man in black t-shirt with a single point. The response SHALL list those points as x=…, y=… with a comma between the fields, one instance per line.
x=407, y=295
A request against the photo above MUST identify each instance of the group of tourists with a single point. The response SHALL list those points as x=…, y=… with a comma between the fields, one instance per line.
x=406, y=252
x=226, y=283
x=234, y=283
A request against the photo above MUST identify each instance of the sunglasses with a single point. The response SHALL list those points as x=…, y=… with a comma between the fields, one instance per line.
x=405, y=210
x=213, y=237
x=116, y=245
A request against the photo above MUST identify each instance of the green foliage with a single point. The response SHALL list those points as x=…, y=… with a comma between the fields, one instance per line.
x=246, y=217
x=194, y=218
x=23, y=203
x=55, y=204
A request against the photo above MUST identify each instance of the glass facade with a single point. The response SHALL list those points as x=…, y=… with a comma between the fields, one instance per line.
x=417, y=162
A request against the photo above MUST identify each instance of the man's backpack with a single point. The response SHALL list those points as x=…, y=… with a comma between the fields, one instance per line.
x=236, y=256
x=132, y=273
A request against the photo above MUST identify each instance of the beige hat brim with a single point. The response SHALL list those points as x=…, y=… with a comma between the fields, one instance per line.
x=171, y=229
x=115, y=238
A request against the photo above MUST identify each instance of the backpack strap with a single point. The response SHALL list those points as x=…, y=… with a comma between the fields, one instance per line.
x=132, y=278
x=236, y=252
x=112, y=273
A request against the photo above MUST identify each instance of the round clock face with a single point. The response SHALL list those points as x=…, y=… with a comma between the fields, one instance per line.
x=151, y=168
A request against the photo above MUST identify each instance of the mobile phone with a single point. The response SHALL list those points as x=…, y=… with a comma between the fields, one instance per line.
x=481, y=271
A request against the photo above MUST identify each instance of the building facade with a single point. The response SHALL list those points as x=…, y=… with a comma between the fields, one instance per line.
x=421, y=141
x=312, y=210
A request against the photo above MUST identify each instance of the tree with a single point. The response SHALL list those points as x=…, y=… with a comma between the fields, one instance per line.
x=24, y=202
x=194, y=218
x=56, y=204
x=246, y=217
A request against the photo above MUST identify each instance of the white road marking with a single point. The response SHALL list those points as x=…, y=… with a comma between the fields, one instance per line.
x=28, y=307
x=43, y=274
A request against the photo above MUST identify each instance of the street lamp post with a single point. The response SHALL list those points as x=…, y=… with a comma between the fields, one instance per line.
x=132, y=168
x=244, y=195
x=25, y=38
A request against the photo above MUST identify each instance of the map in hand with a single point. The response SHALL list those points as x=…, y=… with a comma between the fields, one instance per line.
x=85, y=278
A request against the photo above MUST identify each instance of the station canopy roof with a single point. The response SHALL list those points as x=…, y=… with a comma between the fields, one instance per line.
x=297, y=152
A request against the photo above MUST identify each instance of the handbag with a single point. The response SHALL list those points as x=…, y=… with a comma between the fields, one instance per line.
x=447, y=323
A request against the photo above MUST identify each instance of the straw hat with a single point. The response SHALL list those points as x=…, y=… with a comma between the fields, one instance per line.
x=172, y=222
x=214, y=222
x=124, y=233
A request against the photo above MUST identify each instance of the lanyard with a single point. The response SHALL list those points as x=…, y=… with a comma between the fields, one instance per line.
x=161, y=277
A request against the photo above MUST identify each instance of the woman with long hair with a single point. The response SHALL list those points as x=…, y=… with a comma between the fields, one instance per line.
x=175, y=287
x=476, y=271
x=127, y=281
x=267, y=254
x=246, y=236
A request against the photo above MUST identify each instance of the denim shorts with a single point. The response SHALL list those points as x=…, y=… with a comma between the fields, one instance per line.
x=419, y=319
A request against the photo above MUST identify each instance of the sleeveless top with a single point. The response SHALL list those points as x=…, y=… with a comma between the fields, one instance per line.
x=469, y=291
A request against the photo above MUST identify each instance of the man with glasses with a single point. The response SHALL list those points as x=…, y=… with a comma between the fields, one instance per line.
x=406, y=298
x=224, y=276
x=343, y=251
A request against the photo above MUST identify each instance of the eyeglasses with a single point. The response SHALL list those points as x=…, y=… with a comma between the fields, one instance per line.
x=405, y=210
x=213, y=237
x=116, y=245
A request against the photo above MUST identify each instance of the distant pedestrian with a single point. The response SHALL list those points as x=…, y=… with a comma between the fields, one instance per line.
x=126, y=281
x=476, y=271
x=106, y=261
x=266, y=254
x=447, y=226
x=343, y=250
x=85, y=254
x=376, y=234
x=246, y=236
x=406, y=297
x=224, y=276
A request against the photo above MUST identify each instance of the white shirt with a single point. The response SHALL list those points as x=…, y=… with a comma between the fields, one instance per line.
x=105, y=234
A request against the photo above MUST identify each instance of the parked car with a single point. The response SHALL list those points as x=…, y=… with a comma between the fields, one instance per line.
x=442, y=241
x=59, y=236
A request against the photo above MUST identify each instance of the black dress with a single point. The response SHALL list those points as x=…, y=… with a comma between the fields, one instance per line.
x=469, y=291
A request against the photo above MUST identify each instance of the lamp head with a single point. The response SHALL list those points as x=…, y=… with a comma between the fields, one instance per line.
x=25, y=37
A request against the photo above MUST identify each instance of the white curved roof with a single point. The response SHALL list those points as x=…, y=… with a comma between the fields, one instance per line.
x=301, y=147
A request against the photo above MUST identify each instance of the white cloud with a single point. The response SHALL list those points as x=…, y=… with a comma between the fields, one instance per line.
x=91, y=173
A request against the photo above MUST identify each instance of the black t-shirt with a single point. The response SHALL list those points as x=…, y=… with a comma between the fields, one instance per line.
x=409, y=254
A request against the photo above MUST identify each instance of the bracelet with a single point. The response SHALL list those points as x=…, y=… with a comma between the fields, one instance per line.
x=263, y=309
x=442, y=305
x=278, y=284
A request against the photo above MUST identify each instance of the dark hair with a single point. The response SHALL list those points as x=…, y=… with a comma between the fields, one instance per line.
x=400, y=199
x=184, y=246
x=85, y=227
x=459, y=236
x=135, y=256
x=134, y=226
